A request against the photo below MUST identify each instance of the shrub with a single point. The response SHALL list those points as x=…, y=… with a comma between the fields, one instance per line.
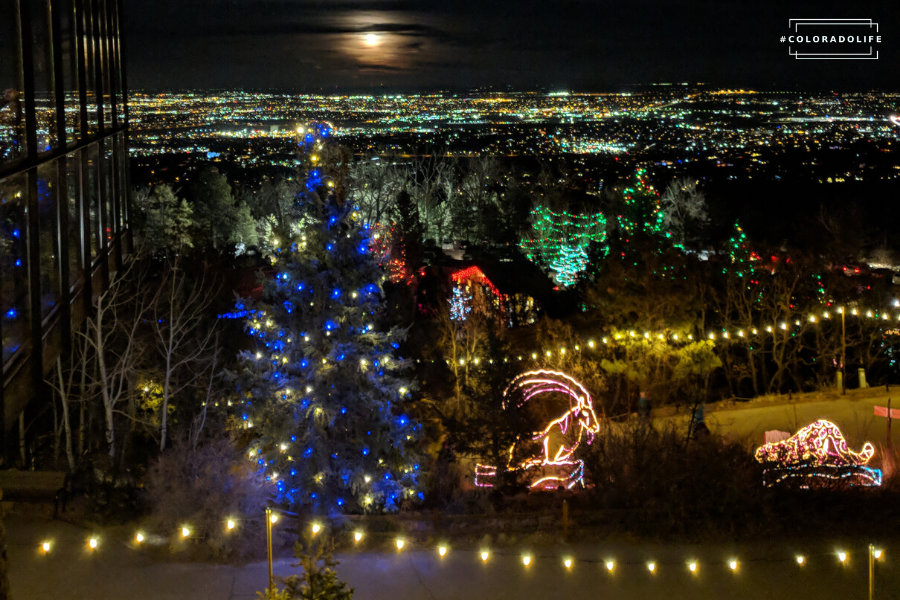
x=203, y=488
x=669, y=486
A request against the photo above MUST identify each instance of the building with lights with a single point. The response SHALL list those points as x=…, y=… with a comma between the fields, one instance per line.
x=63, y=175
x=513, y=294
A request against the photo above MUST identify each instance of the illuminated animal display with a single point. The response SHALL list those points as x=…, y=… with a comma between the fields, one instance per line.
x=818, y=450
x=556, y=464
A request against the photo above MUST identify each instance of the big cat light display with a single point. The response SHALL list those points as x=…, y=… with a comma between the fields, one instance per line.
x=818, y=452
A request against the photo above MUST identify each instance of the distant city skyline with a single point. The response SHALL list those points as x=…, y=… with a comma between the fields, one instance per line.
x=407, y=45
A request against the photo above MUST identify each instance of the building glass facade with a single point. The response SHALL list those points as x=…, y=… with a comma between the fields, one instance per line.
x=63, y=180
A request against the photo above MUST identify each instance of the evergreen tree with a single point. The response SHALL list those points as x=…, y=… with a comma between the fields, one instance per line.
x=408, y=244
x=318, y=580
x=163, y=222
x=220, y=218
x=325, y=390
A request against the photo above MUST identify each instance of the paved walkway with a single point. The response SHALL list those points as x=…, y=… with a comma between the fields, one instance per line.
x=766, y=571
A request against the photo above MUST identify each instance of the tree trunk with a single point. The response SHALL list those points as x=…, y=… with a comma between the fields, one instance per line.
x=65, y=411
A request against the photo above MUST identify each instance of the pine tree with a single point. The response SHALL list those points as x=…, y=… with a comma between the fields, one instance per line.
x=318, y=580
x=408, y=244
x=325, y=390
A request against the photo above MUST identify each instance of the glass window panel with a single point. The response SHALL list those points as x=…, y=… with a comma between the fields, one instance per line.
x=122, y=183
x=14, y=313
x=69, y=54
x=73, y=181
x=12, y=104
x=106, y=181
x=44, y=98
x=48, y=234
x=107, y=71
x=90, y=51
x=92, y=194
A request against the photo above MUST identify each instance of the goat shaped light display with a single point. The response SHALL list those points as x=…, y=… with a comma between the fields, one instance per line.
x=818, y=450
x=556, y=464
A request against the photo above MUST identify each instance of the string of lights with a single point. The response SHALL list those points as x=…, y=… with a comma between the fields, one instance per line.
x=723, y=336
x=527, y=558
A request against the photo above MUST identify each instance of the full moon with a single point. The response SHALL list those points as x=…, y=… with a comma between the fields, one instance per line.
x=371, y=39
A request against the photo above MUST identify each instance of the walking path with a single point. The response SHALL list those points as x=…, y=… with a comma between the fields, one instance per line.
x=116, y=571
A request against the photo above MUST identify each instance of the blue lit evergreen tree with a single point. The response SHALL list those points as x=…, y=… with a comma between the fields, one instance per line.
x=325, y=389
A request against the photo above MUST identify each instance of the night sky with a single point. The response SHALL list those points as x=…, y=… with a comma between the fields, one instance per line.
x=407, y=45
